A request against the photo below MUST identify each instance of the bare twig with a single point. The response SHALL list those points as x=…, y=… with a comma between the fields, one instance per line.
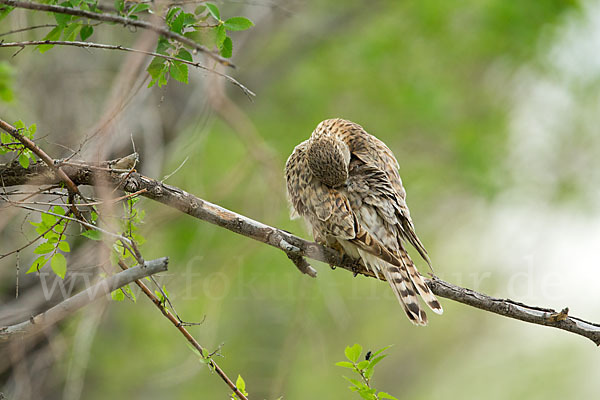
x=74, y=303
x=29, y=28
x=247, y=91
x=161, y=30
x=294, y=246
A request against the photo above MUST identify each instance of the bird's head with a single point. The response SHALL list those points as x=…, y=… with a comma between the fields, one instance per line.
x=328, y=157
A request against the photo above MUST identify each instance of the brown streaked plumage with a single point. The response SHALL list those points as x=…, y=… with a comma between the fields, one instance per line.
x=346, y=185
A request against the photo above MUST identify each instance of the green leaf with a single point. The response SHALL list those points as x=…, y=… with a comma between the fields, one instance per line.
x=44, y=248
x=48, y=220
x=119, y=5
x=19, y=124
x=241, y=385
x=227, y=49
x=59, y=265
x=117, y=295
x=214, y=11
x=179, y=71
x=32, y=129
x=64, y=246
x=177, y=24
x=220, y=36
x=155, y=67
x=70, y=32
x=200, y=9
x=139, y=8
x=380, y=351
x=384, y=395
x=62, y=19
x=85, y=32
x=188, y=19
x=92, y=234
x=185, y=55
x=58, y=210
x=4, y=11
x=362, y=365
x=37, y=264
x=128, y=290
x=345, y=364
x=353, y=353
x=238, y=24
x=359, y=385
x=171, y=14
x=54, y=34
x=24, y=160
x=373, y=361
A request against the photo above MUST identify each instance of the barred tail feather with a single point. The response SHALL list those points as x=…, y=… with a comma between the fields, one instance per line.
x=401, y=284
x=420, y=284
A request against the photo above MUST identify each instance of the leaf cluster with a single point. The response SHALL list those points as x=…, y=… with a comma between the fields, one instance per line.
x=365, y=369
x=9, y=144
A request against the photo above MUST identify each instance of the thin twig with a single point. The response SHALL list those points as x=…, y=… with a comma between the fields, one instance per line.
x=246, y=91
x=29, y=28
x=161, y=30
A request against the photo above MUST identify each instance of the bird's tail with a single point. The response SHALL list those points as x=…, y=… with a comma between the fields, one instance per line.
x=407, y=283
x=419, y=283
x=405, y=291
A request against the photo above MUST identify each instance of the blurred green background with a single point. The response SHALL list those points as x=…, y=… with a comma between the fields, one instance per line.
x=491, y=109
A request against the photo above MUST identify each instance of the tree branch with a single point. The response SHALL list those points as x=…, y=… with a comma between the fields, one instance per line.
x=247, y=91
x=296, y=248
x=81, y=299
x=163, y=31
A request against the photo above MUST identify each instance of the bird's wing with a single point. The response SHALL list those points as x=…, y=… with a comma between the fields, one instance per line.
x=383, y=167
x=328, y=210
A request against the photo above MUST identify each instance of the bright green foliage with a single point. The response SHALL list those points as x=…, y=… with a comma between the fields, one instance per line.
x=241, y=385
x=52, y=228
x=238, y=24
x=9, y=144
x=365, y=369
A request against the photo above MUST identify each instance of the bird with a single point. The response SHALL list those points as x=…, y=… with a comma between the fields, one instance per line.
x=345, y=184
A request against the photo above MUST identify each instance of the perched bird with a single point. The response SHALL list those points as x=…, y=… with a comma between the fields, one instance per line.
x=346, y=185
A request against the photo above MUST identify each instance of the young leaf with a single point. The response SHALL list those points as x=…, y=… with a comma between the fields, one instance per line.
x=58, y=210
x=353, y=353
x=54, y=34
x=48, y=220
x=384, y=395
x=70, y=32
x=238, y=24
x=179, y=71
x=24, y=160
x=345, y=364
x=227, y=49
x=185, y=55
x=214, y=11
x=241, y=385
x=64, y=246
x=139, y=8
x=117, y=295
x=362, y=365
x=59, y=265
x=44, y=248
x=37, y=264
x=380, y=351
x=128, y=290
x=200, y=9
x=177, y=24
x=85, y=32
x=220, y=35
x=171, y=14
x=92, y=234
x=31, y=131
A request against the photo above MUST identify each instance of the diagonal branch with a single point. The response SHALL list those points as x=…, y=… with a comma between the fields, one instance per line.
x=83, y=298
x=161, y=30
x=296, y=248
